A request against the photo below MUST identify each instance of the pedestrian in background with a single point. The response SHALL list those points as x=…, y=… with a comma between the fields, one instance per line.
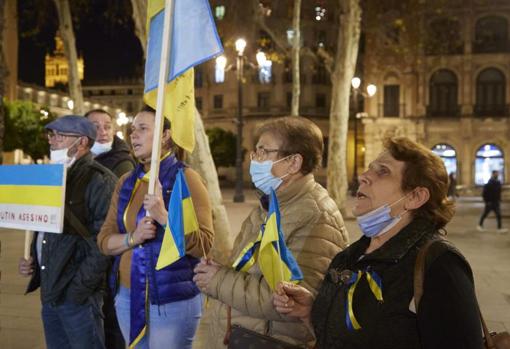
x=452, y=186
x=492, y=197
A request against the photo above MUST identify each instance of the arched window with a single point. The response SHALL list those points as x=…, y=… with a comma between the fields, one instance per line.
x=443, y=94
x=490, y=93
x=489, y=157
x=491, y=35
x=449, y=156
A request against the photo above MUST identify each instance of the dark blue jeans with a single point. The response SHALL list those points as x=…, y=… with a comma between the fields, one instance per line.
x=76, y=326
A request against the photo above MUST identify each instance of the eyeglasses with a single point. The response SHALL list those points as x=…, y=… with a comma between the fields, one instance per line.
x=261, y=154
x=59, y=137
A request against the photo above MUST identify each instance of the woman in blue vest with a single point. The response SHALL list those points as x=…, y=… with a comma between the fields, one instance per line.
x=155, y=308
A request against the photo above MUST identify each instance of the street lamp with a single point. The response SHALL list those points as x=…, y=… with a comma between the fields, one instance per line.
x=371, y=91
x=240, y=45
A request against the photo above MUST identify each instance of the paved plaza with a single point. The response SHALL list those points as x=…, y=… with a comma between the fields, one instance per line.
x=488, y=253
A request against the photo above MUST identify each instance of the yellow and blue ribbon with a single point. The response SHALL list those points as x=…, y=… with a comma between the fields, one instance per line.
x=375, y=284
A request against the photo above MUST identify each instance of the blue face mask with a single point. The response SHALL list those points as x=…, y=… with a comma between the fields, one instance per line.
x=378, y=221
x=262, y=177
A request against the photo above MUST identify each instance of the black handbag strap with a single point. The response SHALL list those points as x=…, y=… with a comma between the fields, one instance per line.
x=419, y=276
x=78, y=226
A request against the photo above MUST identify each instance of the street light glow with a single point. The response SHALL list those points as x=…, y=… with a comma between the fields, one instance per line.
x=355, y=82
x=70, y=104
x=240, y=46
x=371, y=90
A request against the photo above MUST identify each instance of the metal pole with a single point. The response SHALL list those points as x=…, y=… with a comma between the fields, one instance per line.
x=355, y=170
x=239, y=196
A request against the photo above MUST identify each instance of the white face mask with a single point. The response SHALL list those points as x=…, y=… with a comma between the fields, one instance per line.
x=60, y=156
x=100, y=148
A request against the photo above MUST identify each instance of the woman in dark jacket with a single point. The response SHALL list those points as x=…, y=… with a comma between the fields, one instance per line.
x=367, y=298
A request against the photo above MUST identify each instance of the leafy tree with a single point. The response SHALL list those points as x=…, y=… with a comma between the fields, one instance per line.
x=223, y=146
x=24, y=128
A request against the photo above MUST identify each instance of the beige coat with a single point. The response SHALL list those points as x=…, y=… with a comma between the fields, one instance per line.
x=314, y=232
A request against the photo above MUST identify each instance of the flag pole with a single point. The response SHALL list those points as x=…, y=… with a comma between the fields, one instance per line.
x=160, y=102
x=28, y=242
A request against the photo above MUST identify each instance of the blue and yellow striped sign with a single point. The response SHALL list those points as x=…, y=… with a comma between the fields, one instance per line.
x=32, y=197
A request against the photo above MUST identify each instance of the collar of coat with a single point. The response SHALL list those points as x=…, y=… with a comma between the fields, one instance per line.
x=398, y=246
x=293, y=192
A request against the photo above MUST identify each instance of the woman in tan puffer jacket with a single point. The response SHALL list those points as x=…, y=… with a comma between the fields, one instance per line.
x=287, y=152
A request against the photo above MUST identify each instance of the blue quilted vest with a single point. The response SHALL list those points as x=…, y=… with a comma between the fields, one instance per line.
x=170, y=284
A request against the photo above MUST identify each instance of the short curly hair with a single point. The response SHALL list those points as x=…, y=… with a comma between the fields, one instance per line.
x=299, y=136
x=425, y=169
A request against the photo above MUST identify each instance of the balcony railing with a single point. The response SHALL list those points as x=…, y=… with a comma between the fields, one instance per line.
x=488, y=110
x=448, y=111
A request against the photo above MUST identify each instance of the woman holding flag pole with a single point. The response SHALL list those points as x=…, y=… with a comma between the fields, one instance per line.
x=296, y=221
x=158, y=305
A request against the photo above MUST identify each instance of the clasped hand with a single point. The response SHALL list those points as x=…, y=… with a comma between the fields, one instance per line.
x=204, y=272
x=293, y=300
x=153, y=203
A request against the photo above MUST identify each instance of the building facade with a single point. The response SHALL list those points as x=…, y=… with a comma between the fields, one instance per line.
x=450, y=93
x=266, y=85
x=56, y=66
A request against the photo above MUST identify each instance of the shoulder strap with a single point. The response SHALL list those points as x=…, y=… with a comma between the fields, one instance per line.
x=426, y=252
x=78, y=226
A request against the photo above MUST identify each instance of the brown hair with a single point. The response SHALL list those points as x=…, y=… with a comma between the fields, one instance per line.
x=299, y=136
x=170, y=145
x=425, y=169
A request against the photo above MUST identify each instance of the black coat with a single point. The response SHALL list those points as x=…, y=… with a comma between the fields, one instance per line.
x=118, y=159
x=448, y=310
x=492, y=191
x=70, y=270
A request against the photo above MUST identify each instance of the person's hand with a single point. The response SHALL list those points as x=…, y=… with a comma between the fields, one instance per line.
x=204, y=272
x=155, y=206
x=293, y=300
x=26, y=266
x=145, y=230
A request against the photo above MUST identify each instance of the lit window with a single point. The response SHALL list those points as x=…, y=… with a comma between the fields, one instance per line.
x=320, y=13
x=489, y=157
x=290, y=36
x=265, y=72
x=219, y=69
x=449, y=156
x=219, y=12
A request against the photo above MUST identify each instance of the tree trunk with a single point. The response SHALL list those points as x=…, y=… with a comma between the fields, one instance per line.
x=296, y=47
x=139, y=18
x=345, y=66
x=201, y=160
x=3, y=75
x=67, y=33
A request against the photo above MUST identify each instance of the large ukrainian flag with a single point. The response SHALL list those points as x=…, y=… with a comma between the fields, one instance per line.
x=275, y=260
x=32, y=197
x=194, y=39
x=182, y=220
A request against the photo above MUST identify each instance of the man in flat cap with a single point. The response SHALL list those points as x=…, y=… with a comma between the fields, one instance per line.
x=68, y=267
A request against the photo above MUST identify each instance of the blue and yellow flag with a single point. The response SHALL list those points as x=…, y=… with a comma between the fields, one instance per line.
x=182, y=220
x=194, y=40
x=275, y=260
x=248, y=255
x=32, y=197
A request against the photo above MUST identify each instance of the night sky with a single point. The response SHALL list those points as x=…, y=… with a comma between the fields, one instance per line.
x=105, y=38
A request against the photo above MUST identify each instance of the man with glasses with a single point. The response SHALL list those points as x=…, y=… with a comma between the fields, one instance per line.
x=68, y=267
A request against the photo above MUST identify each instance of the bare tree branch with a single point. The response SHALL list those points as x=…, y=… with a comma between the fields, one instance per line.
x=329, y=62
